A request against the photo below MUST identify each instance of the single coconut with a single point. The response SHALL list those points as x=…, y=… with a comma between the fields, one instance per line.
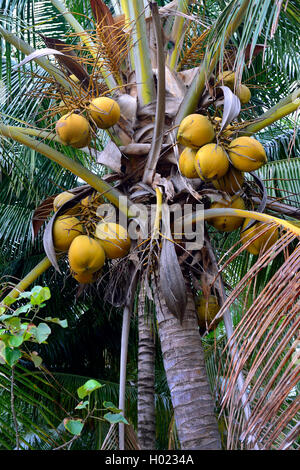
x=231, y=182
x=211, y=162
x=65, y=230
x=227, y=223
x=86, y=255
x=84, y=278
x=207, y=309
x=246, y=154
x=61, y=199
x=73, y=129
x=113, y=238
x=195, y=130
x=186, y=163
x=105, y=112
x=262, y=242
x=227, y=77
x=244, y=94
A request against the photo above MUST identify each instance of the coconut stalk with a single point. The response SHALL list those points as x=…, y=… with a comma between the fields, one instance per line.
x=112, y=194
x=141, y=53
x=211, y=213
x=87, y=40
x=158, y=133
x=36, y=133
x=268, y=118
x=26, y=49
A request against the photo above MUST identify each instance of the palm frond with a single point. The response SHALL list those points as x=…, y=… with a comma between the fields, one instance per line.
x=266, y=337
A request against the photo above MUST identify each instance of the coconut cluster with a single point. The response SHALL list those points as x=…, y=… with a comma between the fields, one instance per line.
x=89, y=243
x=242, y=92
x=223, y=164
x=74, y=128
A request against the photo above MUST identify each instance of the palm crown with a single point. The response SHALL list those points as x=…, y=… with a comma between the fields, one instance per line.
x=159, y=70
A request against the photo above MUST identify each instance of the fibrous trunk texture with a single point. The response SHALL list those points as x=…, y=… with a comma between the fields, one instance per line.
x=146, y=378
x=187, y=378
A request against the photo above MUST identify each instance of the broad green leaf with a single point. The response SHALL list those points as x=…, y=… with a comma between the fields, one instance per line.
x=41, y=332
x=62, y=323
x=23, y=309
x=11, y=356
x=82, y=405
x=115, y=418
x=88, y=388
x=110, y=406
x=74, y=426
x=13, y=322
x=39, y=295
x=15, y=341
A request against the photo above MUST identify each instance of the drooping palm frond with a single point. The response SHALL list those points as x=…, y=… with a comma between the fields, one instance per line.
x=47, y=399
x=266, y=339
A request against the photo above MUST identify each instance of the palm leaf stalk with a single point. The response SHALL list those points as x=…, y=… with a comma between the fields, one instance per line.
x=141, y=53
x=158, y=133
x=26, y=49
x=270, y=117
x=177, y=33
x=112, y=194
x=34, y=274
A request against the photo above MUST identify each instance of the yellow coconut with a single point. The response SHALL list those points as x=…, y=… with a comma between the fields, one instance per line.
x=244, y=94
x=65, y=230
x=114, y=239
x=105, y=112
x=263, y=242
x=227, y=223
x=195, y=130
x=186, y=163
x=246, y=154
x=73, y=130
x=231, y=182
x=207, y=309
x=227, y=77
x=84, y=278
x=61, y=199
x=86, y=255
x=211, y=162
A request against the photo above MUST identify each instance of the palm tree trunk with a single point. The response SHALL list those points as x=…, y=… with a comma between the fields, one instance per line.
x=187, y=378
x=146, y=377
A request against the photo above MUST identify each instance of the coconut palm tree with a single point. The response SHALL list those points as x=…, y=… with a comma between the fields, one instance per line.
x=160, y=66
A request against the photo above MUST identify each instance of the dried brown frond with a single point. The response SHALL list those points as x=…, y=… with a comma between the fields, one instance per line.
x=266, y=339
